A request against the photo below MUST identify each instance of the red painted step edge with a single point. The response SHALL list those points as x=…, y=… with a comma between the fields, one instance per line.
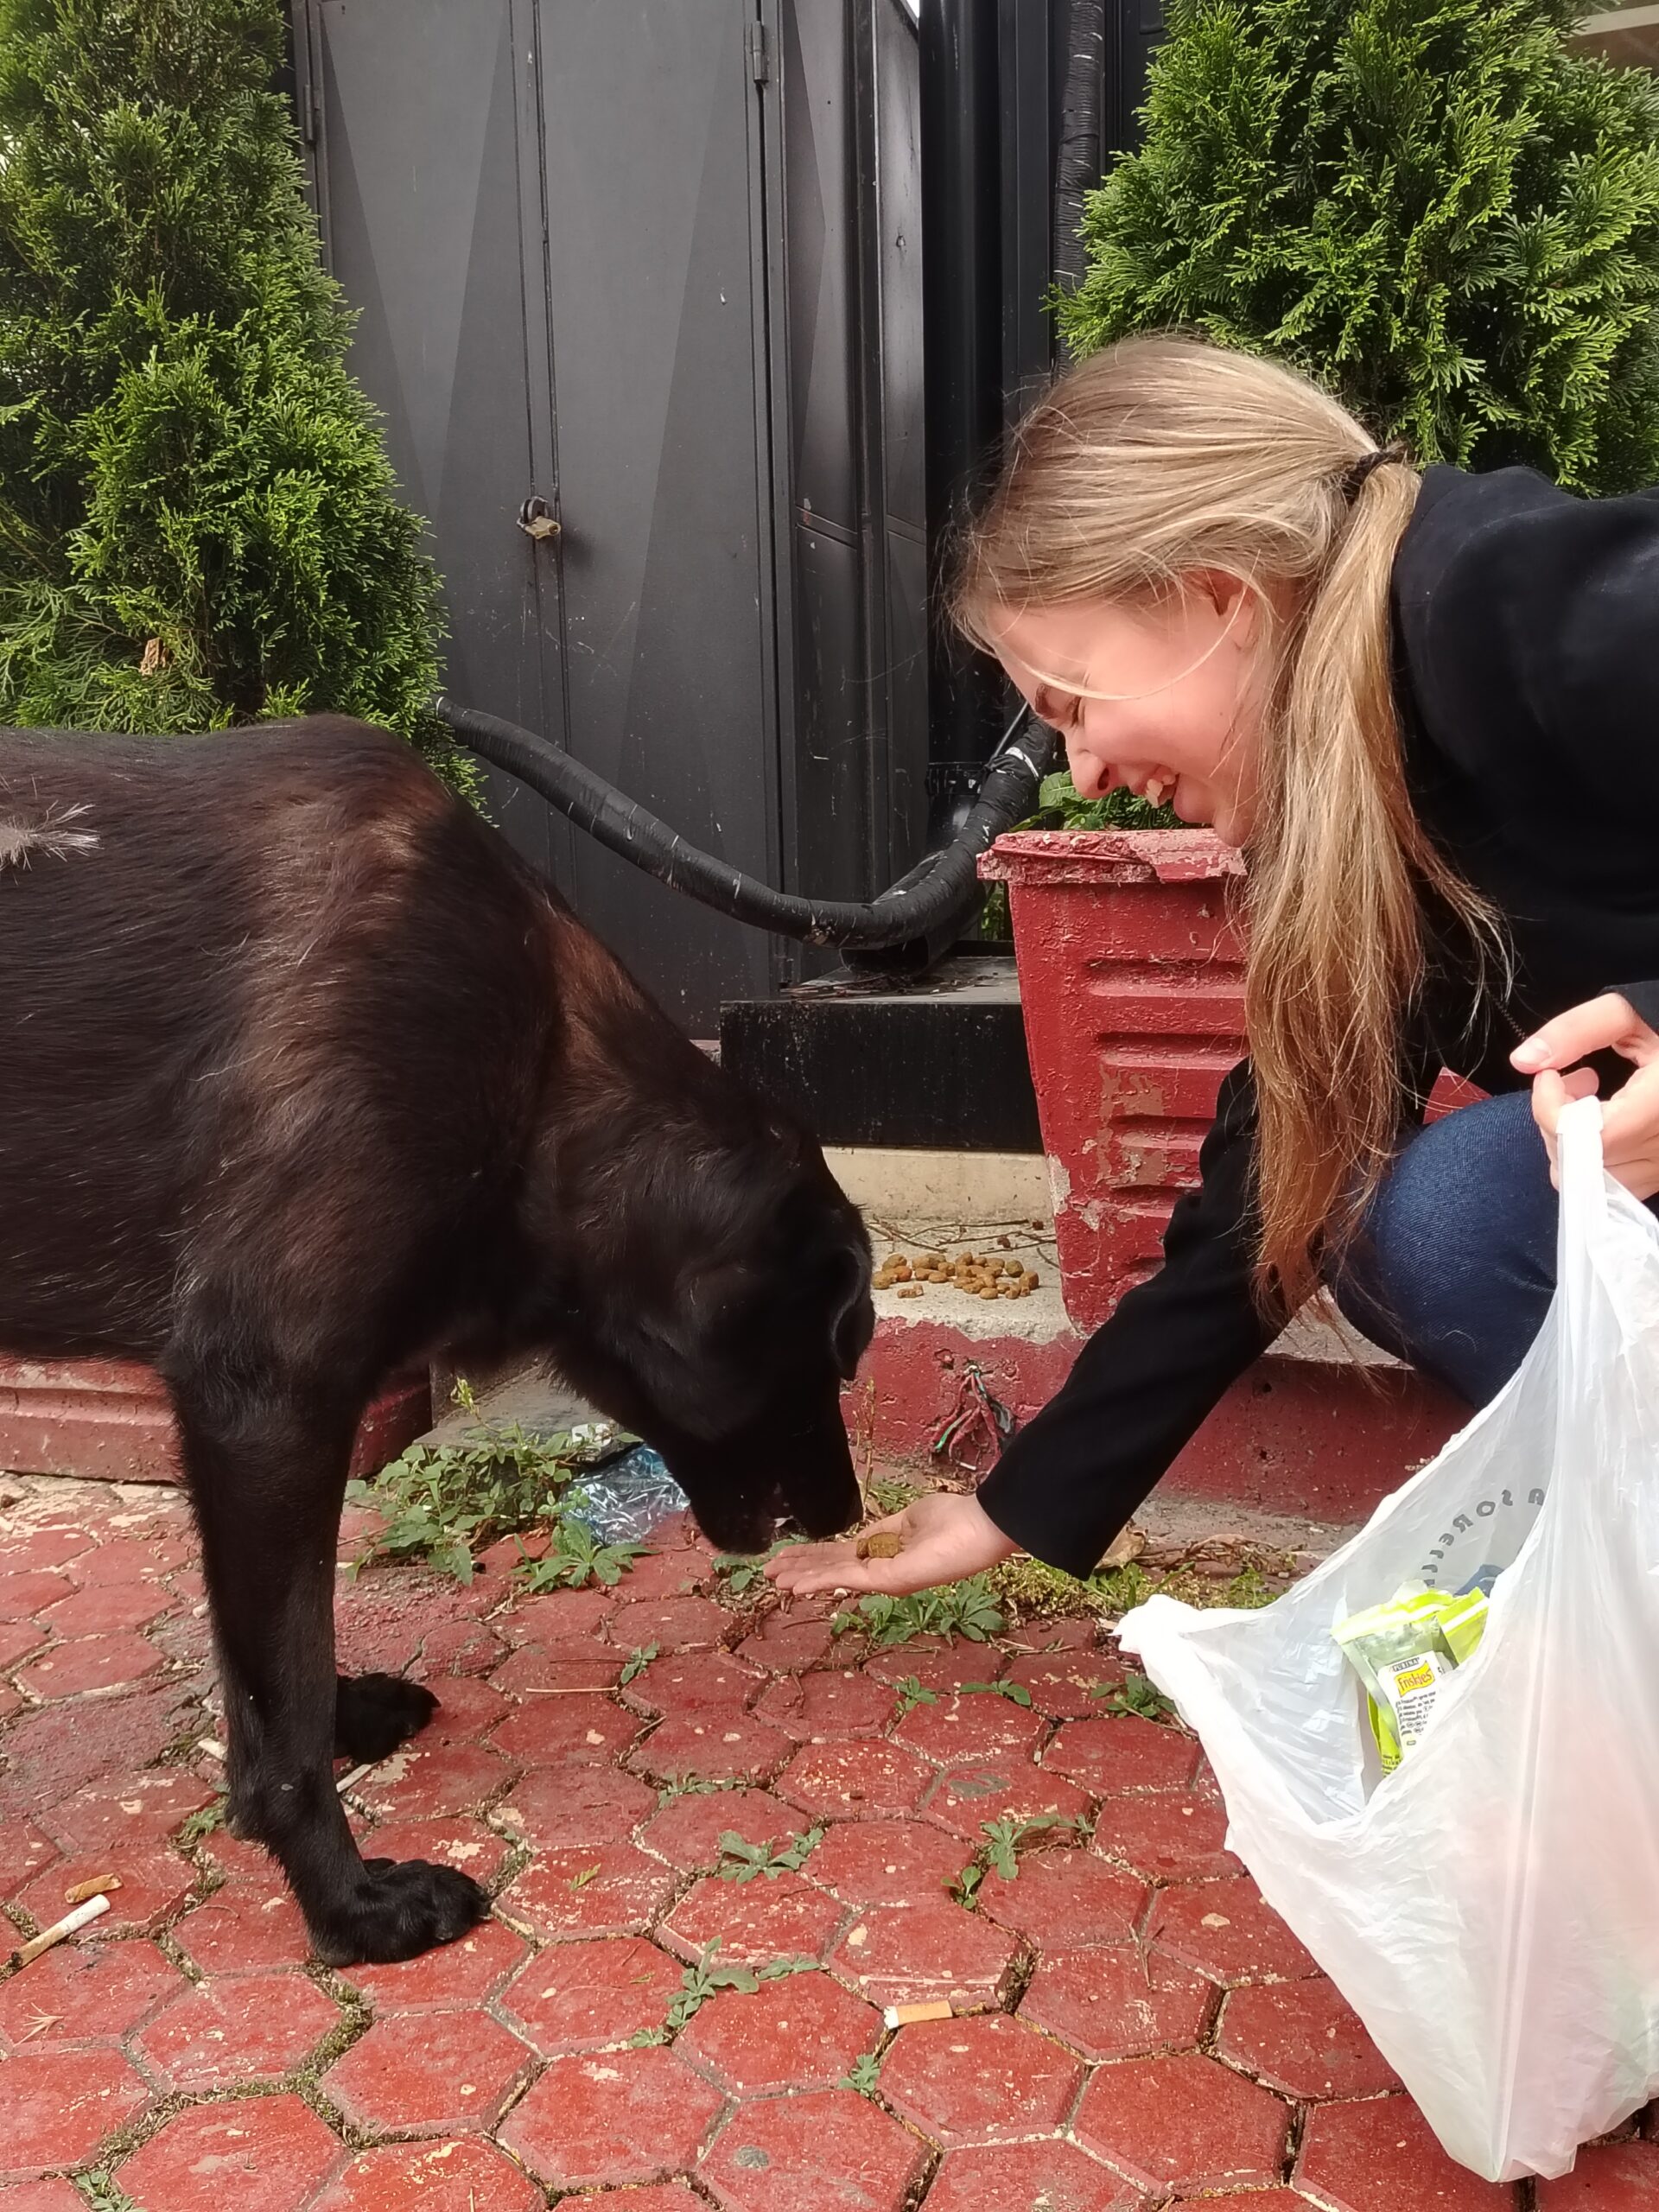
x=109, y=1420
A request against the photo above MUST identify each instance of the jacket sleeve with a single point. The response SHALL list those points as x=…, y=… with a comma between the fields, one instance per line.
x=1147, y=1378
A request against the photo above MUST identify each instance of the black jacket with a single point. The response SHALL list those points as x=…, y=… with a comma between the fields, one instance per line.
x=1526, y=626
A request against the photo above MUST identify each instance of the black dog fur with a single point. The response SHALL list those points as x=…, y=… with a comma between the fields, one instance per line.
x=306, y=1077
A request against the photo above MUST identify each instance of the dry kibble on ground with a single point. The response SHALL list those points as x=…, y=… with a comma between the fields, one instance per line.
x=882, y=1543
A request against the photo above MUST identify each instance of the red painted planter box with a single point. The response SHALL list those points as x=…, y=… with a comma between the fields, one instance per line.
x=1131, y=956
x=110, y=1420
x=1132, y=980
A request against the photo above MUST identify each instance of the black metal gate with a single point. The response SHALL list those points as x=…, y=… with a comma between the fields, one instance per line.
x=639, y=295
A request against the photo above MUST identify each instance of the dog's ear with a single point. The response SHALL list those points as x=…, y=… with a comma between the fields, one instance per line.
x=852, y=1315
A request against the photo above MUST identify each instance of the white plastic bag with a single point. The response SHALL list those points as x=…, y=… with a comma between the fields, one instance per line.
x=1492, y=1909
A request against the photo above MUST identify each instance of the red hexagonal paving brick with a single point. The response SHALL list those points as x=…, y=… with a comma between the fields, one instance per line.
x=241, y=1931
x=106, y=1607
x=61, y=2104
x=50, y=1755
x=1619, y=2177
x=23, y=1596
x=671, y=1624
x=553, y=1807
x=687, y=1831
x=462, y=1843
x=1185, y=2123
x=240, y=2028
x=849, y=1781
x=615, y=1889
x=779, y=1917
x=40, y=2197
x=464, y=2175
x=936, y=1662
x=127, y=1811
x=714, y=1746
x=1301, y=2037
x=24, y=1851
x=805, y=2031
x=1066, y=1899
x=1381, y=2157
x=918, y=1954
x=801, y=2153
x=566, y=1731
x=466, y=1709
x=986, y=2079
x=558, y=1618
x=416, y=1784
x=696, y=1682
x=17, y=1638
x=469, y=1971
x=594, y=1996
x=1047, y=2176
x=1165, y=1839
x=1111, y=2004
x=460, y=1647
x=91, y=1665
x=784, y=1644
x=430, y=2073
x=131, y=1559
x=971, y=1729
x=154, y=1884
x=616, y=2117
x=86, y=1992
x=264, y=2154
x=589, y=1668
x=1227, y=1930
x=45, y=1548
x=1110, y=1756
x=827, y=1707
x=965, y=1798
x=674, y=1573
x=886, y=1862
x=1063, y=1684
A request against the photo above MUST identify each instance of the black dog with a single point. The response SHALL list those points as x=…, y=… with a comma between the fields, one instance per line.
x=305, y=1076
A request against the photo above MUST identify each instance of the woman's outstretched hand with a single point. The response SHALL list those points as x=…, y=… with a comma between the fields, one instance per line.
x=1630, y=1121
x=944, y=1537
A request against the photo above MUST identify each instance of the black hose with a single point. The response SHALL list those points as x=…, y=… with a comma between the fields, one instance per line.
x=941, y=889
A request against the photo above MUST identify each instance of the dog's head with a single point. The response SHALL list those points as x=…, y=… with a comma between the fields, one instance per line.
x=718, y=1296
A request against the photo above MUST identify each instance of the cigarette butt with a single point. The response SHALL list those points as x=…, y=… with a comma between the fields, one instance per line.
x=81, y=1918
x=350, y=1781
x=95, y=1888
x=906, y=2016
x=212, y=1745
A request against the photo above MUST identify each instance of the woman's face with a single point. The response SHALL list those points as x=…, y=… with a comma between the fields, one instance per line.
x=1161, y=695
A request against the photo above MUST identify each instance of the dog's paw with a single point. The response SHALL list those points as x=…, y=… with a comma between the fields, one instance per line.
x=373, y=1713
x=397, y=1909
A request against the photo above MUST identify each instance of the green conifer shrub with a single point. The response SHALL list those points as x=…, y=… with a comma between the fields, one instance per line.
x=199, y=525
x=1437, y=206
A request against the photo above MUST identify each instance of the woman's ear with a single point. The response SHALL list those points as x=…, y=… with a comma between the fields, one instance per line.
x=1237, y=602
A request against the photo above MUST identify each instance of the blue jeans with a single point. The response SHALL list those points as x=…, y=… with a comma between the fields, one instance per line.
x=1455, y=1267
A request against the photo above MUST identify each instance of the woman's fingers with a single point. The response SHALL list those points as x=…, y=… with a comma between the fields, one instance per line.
x=1609, y=1023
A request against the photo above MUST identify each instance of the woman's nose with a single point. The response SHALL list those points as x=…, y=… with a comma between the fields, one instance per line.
x=1089, y=772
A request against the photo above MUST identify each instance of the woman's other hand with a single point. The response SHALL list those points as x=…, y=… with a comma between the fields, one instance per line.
x=943, y=1536
x=1630, y=1121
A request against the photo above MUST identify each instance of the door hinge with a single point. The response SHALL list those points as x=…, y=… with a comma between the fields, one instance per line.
x=760, y=53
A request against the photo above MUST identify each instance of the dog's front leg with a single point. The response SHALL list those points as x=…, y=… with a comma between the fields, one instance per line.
x=266, y=1459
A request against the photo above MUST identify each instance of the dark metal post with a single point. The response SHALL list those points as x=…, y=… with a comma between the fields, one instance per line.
x=961, y=282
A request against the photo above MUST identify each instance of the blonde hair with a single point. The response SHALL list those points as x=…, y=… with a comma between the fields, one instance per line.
x=1163, y=456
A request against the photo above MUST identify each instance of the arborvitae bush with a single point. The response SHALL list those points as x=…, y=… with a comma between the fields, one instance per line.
x=199, y=525
x=1435, y=206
